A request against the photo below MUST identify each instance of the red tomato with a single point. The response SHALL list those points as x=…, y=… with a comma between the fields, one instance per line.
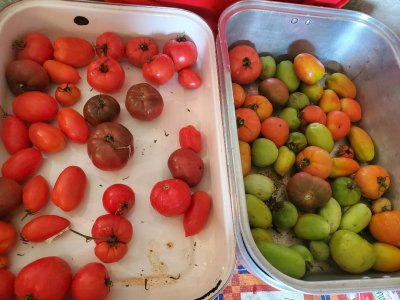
x=118, y=199
x=245, y=64
x=46, y=137
x=73, y=51
x=111, y=234
x=196, y=217
x=182, y=51
x=139, y=49
x=7, y=280
x=189, y=79
x=69, y=189
x=190, y=137
x=4, y=264
x=67, y=94
x=110, y=44
x=158, y=69
x=312, y=114
x=34, y=46
x=338, y=124
x=46, y=278
x=170, y=197
x=14, y=134
x=22, y=164
x=105, y=75
x=35, y=194
x=61, y=73
x=44, y=227
x=35, y=106
x=91, y=282
x=8, y=237
x=73, y=125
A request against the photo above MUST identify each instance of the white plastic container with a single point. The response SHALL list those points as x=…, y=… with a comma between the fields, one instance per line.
x=161, y=262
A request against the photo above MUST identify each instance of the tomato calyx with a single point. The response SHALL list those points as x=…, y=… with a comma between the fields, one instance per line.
x=103, y=67
x=66, y=89
x=109, y=138
x=30, y=297
x=381, y=180
x=239, y=122
x=111, y=240
x=18, y=45
x=304, y=163
x=181, y=39
x=3, y=113
x=166, y=187
x=108, y=282
x=103, y=48
x=144, y=47
x=246, y=62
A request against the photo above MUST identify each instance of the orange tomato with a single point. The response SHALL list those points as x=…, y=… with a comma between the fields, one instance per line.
x=46, y=137
x=312, y=114
x=343, y=166
x=259, y=104
x=385, y=227
x=315, y=161
x=248, y=124
x=329, y=101
x=67, y=94
x=276, y=129
x=338, y=124
x=373, y=181
x=351, y=108
x=238, y=94
x=73, y=51
x=61, y=73
x=308, y=68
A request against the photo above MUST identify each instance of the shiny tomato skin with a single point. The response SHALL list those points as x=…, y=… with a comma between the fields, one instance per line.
x=7, y=280
x=139, y=49
x=47, y=278
x=35, y=194
x=196, y=217
x=46, y=137
x=91, y=282
x=105, y=75
x=170, y=197
x=14, y=134
x=35, y=106
x=22, y=164
x=74, y=51
x=245, y=64
x=182, y=51
x=69, y=188
x=110, y=44
x=8, y=237
x=73, y=125
x=118, y=199
x=190, y=137
x=44, y=227
x=67, y=94
x=308, y=68
x=158, y=69
x=35, y=46
x=61, y=73
x=189, y=79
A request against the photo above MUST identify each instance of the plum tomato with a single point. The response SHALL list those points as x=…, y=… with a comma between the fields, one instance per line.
x=69, y=188
x=73, y=125
x=91, y=282
x=158, y=69
x=44, y=227
x=14, y=134
x=8, y=238
x=139, y=49
x=190, y=137
x=144, y=102
x=110, y=146
x=67, y=94
x=35, y=46
x=48, y=277
x=7, y=280
x=189, y=79
x=118, y=199
x=171, y=197
x=245, y=64
x=46, y=137
x=196, y=217
x=105, y=75
x=182, y=51
x=101, y=108
x=35, y=106
x=308, y=68
x=35, y=194
x=74, y=51
x=111, y=234
x=10, y=196
x=61, y=73
x=110, y=44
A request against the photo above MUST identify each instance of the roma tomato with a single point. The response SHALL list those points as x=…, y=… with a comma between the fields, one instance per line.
x=35, y=106
x=373, y=181
x=111, y=234
x=35, y=46
x=158, y=69
x=91, y=282
x=182, y=51
x=189, y=79
x=7, y=280
x=385, y=227
x=315, y=161
x=14, y=134
x=190, y=137
x=73, y=125
x=69, y=189
x=73, y=51
x=61, y=73
x=248, y=124
x=338, y=124
x=46, y=278
x=170, y=197
x=139, y=49
x=110, y=44
x=196, y=217
x=118, y=199
x=308, y=68
x=245, y=64
x=105, y=75
x=67, y=94
x=35, y=194
x=22, y=164
x=46, y=137
x=43, y=228
x=8, y=237
x=351, y=108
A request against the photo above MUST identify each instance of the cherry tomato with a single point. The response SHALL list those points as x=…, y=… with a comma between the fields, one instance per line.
x=196, y=217
x=73, y=51
x=105, y=75
x=61, y=73
x=44, y=227
x=111, y=234
x=110, y=44
x=158, y=69
x=35, y=107
x=8, y=237
x=190, y=137
x=118, y=199
x=139, y=49
x=46, y=278
x=182, y=51
x=35, y=194
x=7, y=280
x=14, y=134
x=170, y=197
x=245, y=64
x=91, y=282
x=22, y=164
x=46, y=137
x=34, y=46
x=69, y=189
x=189, y=79
x=73, y=125
x=67, y=94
